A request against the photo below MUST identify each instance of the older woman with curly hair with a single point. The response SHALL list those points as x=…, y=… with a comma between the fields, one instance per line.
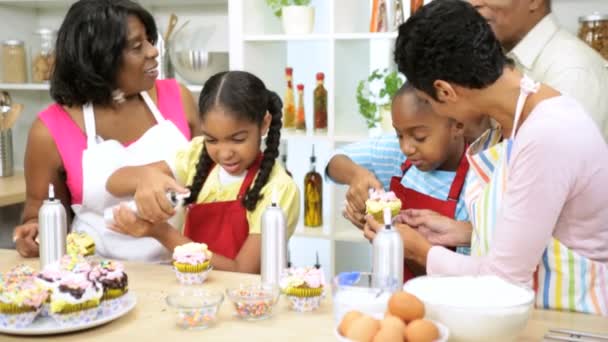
x=110, y=111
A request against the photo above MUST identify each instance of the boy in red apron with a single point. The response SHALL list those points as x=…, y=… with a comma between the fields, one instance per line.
x=230, y=179
x=424, y=165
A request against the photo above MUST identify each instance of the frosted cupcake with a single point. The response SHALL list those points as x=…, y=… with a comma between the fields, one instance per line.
x=378, y=200
x=303, y=287
x=114, y=281
x=192, y=263
x=80, y=243
x=20, y=302
x=75, y=300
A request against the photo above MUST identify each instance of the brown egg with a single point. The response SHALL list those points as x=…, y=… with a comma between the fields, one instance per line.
x=347, y=320
x=394, y=323
x=406, y=306
x=421, y=330
x=363, y=329
x=389, y=334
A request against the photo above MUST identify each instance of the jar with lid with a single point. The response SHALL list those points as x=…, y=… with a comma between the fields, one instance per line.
x=43, y=55
x=594, y=31
x=14, y=69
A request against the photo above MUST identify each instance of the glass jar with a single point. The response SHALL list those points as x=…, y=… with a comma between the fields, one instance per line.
x=594, y=31
x=43, y=55
x=13, y=62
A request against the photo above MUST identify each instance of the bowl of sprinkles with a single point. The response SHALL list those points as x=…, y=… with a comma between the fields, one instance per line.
x=195, y=308
x=253, y=302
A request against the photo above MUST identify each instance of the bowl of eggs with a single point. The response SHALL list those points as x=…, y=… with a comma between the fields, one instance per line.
x=484, y=308
x=403, y=320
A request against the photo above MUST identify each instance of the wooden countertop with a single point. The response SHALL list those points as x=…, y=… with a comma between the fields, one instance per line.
x=152, y=320
x=12, y=189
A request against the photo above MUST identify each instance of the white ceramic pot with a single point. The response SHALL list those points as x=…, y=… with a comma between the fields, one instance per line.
x=298, y=19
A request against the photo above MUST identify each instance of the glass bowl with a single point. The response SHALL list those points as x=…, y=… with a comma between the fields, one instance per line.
x=253, y=302
x=196, y=308
x=357, y=291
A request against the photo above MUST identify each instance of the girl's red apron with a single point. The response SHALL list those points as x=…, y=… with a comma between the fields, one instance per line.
x=223, y=225
x=412, y=199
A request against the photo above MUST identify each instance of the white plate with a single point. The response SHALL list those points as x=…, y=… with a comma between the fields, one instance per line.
x=48, y=326
x=444, y=333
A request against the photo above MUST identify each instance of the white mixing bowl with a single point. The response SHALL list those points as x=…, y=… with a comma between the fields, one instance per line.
x=484, y=308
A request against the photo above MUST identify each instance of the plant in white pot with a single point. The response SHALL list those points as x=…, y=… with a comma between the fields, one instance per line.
x=374, y=96
x=298, y=16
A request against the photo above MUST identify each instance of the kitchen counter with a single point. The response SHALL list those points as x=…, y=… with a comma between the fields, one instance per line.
x=12, y=189
x=152, y=320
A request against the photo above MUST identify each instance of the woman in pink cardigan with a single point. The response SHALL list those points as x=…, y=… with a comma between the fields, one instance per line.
x=538, y=191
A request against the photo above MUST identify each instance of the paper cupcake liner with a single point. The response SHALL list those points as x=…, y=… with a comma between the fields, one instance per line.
x=304, y=304
x=45, y=310
x=186, y=278
x=111, y=306
x=17, y=321
x=303, y=292
x=110, y=294
x=76, y=318
x=71, y=308
x=187, y=268
x=13, y=309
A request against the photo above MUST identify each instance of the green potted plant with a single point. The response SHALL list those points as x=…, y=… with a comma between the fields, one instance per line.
x=374, y=96
x=298, y=16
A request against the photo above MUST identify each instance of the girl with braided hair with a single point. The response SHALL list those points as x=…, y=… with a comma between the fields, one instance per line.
x=229, y=178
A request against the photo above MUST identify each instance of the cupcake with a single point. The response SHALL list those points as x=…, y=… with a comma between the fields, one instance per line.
x=114, y=281
x=192, y=263
x=303, y=287
x=75, y=300
x=20, y=301
x=378, y=200
x=80, y=243
x=19, y=273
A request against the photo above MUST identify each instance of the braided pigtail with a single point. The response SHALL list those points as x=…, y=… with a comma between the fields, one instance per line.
x=275, y=108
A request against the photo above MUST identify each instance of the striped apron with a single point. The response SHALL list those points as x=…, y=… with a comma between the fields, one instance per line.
x=564, y=279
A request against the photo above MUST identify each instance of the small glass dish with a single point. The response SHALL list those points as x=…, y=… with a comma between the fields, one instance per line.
x=359, y=291
x=253, y=302
x=196, y=308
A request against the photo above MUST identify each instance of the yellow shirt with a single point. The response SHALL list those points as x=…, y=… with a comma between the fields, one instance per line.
x=184, y=170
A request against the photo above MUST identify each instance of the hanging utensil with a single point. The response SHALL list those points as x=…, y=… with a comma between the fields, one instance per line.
x=172, y=24
x=5, y=102
x=11, y=117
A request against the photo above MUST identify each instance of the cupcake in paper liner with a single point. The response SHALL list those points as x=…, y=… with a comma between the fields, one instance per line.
x=304, y=288
x=191, y=262
x=378, y=200
x=20, y=301
x=75, y=300
x=80, y=243
x=115, y=283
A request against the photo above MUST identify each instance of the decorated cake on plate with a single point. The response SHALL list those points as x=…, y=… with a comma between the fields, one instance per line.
x=114, y=281
x=21, y=300
x=76, y=299
x=380, y=199
x=192, y=263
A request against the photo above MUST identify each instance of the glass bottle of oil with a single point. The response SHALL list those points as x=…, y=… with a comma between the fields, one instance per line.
x=313, y=195
x=289, y=106
x=283, y=155
x=301, y=113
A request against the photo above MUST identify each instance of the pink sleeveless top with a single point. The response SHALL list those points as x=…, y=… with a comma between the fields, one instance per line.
x=71, y=141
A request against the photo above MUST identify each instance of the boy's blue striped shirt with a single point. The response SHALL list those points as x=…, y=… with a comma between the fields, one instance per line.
x=383, y=157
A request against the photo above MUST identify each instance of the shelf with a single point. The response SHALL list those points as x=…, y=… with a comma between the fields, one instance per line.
x=365, y=35
x=351, y=235
x=46, y=87
x=298, y=135
x=285, y=37
x=67, y=3
x=319, y=233
x=350, y=138
x=25, y=86
x=12, y=189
